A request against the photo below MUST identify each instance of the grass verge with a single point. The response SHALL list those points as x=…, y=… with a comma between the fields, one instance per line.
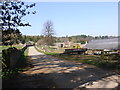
x=47, y=53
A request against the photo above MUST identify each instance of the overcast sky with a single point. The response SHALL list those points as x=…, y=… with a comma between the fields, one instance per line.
x=74, y=18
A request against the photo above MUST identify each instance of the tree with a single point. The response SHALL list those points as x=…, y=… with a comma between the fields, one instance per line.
x=11, y=36
x=11, y=18
x=48, y=33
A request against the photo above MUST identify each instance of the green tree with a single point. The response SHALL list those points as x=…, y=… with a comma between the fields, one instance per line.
x=11, y=18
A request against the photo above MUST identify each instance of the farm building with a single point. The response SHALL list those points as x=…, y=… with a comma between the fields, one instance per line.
x=60, y=44
x=103, y=44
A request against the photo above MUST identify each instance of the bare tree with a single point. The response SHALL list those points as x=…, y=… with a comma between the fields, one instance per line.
x=48, y=32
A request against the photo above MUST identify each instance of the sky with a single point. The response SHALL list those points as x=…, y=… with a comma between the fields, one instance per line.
x=74, y=18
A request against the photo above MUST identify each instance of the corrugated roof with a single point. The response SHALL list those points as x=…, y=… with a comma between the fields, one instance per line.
x=111, y=44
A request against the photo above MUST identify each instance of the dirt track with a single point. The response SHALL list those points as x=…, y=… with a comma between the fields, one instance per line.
x=51, y=72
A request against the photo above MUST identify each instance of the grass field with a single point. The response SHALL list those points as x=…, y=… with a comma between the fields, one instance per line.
x=3, y=47
x=6, y=47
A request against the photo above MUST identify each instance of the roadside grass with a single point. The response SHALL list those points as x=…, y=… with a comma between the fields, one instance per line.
x=18, y=47
x=111, y=62
x=24, y=58
x=106, y=62
x=26, y=52
x=53, y=50
x=47, y=53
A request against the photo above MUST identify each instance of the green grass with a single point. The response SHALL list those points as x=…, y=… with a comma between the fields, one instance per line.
x=3, y=47
x=24, y=59
x=6, y=47
x=107, y=62
x=53, y=50
x=26, y=52
x=18, y=47
x=47, y=53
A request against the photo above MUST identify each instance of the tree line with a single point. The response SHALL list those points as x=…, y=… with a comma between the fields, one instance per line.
x=41, y=39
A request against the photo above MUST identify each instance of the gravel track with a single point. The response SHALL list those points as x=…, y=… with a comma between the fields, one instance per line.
x=51, y=72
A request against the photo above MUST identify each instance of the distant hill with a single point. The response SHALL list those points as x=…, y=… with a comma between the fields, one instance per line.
x=82, y=38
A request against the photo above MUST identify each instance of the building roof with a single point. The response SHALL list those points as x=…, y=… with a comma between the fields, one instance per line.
x=110, y=44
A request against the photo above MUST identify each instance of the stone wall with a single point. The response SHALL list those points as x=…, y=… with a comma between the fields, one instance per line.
x=15, y=57
x=12, y=56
